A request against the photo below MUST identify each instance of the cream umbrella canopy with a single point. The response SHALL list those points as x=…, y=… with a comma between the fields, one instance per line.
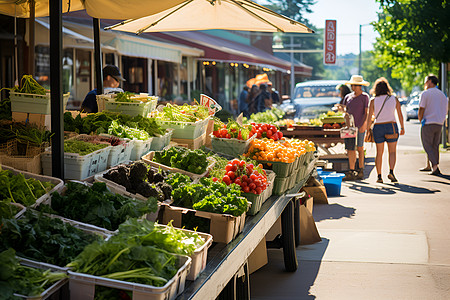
x=189, y=15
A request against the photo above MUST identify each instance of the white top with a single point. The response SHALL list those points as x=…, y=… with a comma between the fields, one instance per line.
x=387, y=114
x=435, y=104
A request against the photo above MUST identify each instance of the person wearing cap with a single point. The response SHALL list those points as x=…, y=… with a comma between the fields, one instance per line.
x=273, y=93
x=111, y=81
x=356, y=104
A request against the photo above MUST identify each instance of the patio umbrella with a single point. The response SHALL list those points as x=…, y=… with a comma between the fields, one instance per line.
x=189, y=15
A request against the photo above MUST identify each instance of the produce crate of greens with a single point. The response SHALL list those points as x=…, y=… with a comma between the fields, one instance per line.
x=187, y=121
x=31, y=97
x=45, y=239
x=24, y=279
x=127, y=103
x=26, y=188
x=94, y=204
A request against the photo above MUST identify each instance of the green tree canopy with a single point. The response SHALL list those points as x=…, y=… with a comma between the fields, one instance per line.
x=414, y=38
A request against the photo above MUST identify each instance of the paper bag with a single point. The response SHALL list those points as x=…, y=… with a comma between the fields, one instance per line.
x=308, y=230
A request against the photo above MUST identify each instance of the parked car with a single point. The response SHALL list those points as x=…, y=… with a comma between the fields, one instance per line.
x=311, y=98
x=412, y=108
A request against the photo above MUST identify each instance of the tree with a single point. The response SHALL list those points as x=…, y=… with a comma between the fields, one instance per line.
x=293, y=9
x=414, y=38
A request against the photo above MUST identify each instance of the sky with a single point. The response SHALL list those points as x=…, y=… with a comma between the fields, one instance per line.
x=349, y=14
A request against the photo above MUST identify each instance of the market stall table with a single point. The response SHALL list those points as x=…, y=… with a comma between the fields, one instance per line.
x=224, y=261
x=317, y=134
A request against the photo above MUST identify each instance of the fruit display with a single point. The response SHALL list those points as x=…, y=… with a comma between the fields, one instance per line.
x=287, y=152
x=264, y=130
x=332, y=120
x=231, y=130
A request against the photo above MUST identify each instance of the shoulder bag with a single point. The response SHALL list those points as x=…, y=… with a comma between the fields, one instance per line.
x=349, y=131
x=369, y=136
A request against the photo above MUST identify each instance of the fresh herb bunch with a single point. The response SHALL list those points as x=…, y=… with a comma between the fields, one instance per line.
x=126, y=260
x=41, y=238
x=168, y=238
x=177, y=179
x=8, y=210
x=183, y=113
x=25, y=133
x=97, y=206
x=124, y=131
x=5, y=109
x=18, y=189
x=124, y=97
x=23, y=280
x=30, y=86
x=210, y=196
x=194, y=161
x=81, y=147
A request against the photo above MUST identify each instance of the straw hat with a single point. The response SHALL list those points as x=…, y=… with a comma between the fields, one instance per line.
x=357, y=80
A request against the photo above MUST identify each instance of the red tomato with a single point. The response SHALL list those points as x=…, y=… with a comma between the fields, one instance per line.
x=226, y=179
x=264, y=127
x=244, y=183
x=253, y=177
x=246, y=189
x=280, y=135
x=258, y=190
x=215, y=179
x=252, y=186
x=238, y=181
x=231, y=175
x=269, y=133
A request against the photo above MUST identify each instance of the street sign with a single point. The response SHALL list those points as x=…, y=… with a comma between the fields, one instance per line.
x=329, y=53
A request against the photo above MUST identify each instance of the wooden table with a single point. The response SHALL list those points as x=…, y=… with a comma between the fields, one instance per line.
x=319, y=135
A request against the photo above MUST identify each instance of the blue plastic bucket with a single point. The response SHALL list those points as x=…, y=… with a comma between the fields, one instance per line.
x=332, y=183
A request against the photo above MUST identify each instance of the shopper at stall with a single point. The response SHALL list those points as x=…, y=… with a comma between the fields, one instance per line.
x=433, y=108
x=273, y=93
x=243, y=105
x=251, y=99
x=111, y=81
x=264, y=99
x=384, y=105
x=356, y=104
x=344, y=90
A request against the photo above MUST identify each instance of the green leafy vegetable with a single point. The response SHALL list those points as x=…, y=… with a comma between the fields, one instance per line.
x=81, y=147
x=194, y=161
x=183, y=113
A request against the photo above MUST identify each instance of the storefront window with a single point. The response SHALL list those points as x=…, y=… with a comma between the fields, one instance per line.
x=110, y=59
x=83, y=74
x=134, y=71
x=42, y=67
x=184, y=79
x=166, y=79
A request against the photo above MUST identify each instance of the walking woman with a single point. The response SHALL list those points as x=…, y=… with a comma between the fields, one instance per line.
x=383, y=106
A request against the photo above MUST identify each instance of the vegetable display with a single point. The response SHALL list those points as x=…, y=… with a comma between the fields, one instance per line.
x=124, y=97
x=182, y=113
x=231, y=130
x=26, y=281
x=124, y=131
x=249, y=178
x=268, y=116
x=81, y=147
x=266, y=131
x=25, y=133
x=41, y=238
x=18, y=189
x=194, y=161
x=138, y=178
x=97, y=206
x=167, y=237
x=30, y=86
x=211, y=196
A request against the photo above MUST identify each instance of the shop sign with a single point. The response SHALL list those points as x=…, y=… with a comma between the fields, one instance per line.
x=329, y=56
x=210, y=103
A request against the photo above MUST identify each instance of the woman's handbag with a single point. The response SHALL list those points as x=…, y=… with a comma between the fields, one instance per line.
x=349, y=131
x=369, y=138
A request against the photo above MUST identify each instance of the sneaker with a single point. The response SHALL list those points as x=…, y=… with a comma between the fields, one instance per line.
x=360, y=174
x=349, y=176
x=392, y=178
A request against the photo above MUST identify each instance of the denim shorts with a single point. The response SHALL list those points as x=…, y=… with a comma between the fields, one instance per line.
x=352, y=143
x=379, y=130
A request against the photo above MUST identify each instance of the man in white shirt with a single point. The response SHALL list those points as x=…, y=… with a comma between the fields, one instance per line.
x=433, y=108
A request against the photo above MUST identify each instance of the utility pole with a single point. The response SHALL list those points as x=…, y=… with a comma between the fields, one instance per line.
x=360, y=35
x=292, y=68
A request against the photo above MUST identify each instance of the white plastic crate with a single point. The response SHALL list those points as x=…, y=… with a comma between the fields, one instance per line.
x=76, y=166
x=32, y=103
x=82, y=286
x=140, y=148
x=142, y=106
x=185, y=130
x=59, y=184
x=51, y=289
x=159, y=142
x=120, y=154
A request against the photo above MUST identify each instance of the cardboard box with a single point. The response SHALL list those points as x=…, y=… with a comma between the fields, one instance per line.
x=224, y=228
x=209, y=131
x=309, y=204
x=258, y=258
x=38, y=119
x=318, y=193
x=191, y=144
x=308, y=230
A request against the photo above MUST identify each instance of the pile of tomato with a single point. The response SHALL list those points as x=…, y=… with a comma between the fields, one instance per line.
x=228, y=133
x=251, y=179
x=263, y=130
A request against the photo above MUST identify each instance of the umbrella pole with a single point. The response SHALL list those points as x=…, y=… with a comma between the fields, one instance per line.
x=56, y=88
x=31, y=26
x=98, y=56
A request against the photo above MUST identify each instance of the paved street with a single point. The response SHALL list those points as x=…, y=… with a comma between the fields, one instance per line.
x=379, y=241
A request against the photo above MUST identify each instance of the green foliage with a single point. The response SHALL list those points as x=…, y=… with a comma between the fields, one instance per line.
x=269, y=116
x=193, y=161
x=97, y=206
x=17, y=189
x=5, y=109
x=43, y=239
x=124, y=97
x=294, y=9
x=183, y=113
x=413, y=38
x=81, y=147
x=27, y=281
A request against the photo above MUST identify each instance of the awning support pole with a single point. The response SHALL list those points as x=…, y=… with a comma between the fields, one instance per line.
x=98, y=57
x=31, y=26
x=56, y=88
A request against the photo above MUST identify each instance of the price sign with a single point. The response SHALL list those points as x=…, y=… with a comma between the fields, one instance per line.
x=329, y=56
x=210, y=103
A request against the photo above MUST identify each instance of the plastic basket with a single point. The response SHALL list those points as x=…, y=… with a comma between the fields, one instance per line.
x=142, y=108
x=185, y=130
x=148, y=158
x=82, y=286
x=76, y=166
x=282, y=184
x=159, y=142
x=282, y=169
x=140, y=148
x=32, y=103
x=51, y=289
x=332, y=183
x=258, y=200
x=59, y=184
x=232, y=147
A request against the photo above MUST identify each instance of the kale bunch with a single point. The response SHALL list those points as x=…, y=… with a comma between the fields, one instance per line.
x=194, y=161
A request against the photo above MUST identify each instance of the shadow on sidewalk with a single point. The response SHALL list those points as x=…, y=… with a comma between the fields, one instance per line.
x=332, y=211
x=388, y=188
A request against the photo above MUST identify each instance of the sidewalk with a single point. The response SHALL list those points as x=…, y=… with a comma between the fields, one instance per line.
x=379, y=241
